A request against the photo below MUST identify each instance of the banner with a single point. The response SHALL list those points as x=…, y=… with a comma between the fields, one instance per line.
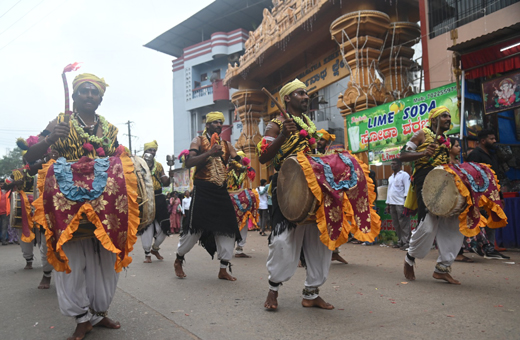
x=393, y=124
x=384, y=155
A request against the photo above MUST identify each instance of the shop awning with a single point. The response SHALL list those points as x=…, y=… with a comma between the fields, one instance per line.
x=491, y=53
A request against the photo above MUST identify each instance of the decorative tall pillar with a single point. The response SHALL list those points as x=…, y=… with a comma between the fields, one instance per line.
x=396, y=59
x=360, y=36
x=251, y=107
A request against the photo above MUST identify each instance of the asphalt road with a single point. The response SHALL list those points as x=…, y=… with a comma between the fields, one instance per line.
x=373, y=300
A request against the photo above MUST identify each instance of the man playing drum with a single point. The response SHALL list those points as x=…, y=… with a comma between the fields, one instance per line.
x=157, y=230
x=86, y=291
x=287, y=240
x=211, y=216
x=426, y=153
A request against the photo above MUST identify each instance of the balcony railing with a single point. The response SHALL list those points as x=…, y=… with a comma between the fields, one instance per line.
x=202, y=91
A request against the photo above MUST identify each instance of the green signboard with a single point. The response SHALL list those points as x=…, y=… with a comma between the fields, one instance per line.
x=393, y=124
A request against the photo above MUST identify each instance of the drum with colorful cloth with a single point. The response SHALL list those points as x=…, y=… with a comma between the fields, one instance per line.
x=245, y=202
x=98, y=198
x=462, y=190
x=334, y=190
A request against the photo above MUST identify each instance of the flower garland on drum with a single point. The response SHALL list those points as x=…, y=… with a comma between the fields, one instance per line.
x=102, y=141
x=63, y=174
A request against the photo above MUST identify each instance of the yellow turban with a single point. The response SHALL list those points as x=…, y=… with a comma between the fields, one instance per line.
x=289, y=88
x=99, y=83
x=215, y=115
x=327, y=136
x=434, y=113
x=151, y=145
x=241, y=153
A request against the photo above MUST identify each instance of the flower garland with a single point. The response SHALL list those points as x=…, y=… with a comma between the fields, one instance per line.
x=307, y=131
x=102, y=141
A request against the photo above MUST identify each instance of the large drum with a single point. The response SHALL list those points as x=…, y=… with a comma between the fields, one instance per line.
x=440, y=194
x=295, y=199
x=145, y=199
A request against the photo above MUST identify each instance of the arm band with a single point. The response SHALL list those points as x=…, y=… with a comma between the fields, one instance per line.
x=411, y=146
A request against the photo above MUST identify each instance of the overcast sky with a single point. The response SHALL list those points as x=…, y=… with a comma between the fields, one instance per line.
x=38, y=38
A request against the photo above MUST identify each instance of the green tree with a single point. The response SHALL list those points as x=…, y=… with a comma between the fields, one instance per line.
x=13, y=160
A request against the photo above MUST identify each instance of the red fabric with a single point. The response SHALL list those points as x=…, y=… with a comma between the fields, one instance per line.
x=490, y=54
x=4, y=204
x=26, y=220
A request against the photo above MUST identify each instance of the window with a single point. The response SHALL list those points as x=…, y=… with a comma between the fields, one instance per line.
x=446, y=15
x=203, y=77
x=197, y=84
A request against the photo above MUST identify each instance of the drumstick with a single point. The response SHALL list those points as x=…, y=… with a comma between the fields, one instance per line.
x=264, y=90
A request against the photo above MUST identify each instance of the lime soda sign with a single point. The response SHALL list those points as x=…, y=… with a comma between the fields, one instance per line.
x=393, y=124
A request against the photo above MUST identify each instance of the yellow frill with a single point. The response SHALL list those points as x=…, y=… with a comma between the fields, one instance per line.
x=484, y=202
x=61, y=264
x=27, y=205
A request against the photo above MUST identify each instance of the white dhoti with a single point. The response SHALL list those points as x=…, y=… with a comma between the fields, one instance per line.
x=147, y=238
x=86, y=293
x=240, y=244
x=284, y=254
x=224, y=244
x=27, y=248
x=28, y=251
x=449, y=240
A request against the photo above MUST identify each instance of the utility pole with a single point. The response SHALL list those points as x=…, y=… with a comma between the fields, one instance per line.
x=129, y=136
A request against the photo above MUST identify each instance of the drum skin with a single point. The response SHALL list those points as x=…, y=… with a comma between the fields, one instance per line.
x=295, y=199
x=440, y=194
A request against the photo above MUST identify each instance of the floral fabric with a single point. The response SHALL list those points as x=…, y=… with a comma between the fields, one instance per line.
x=345, y=194
x=245, y=203
x=478, y=184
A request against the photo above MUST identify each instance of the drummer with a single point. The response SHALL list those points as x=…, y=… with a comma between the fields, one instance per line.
x=284, y=137
x=426, y=155
x=211, y=216
x=23, y=180
x=85, y=293
x=157, y=231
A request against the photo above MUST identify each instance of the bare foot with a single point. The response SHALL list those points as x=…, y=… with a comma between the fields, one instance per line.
x=45, y=283
x=108, y=323
x=317, y=302
x=271, y=303
x=28, y=265
x=337, y=257
x=177, y=265
x=408, y=271
x=446, y=277
x=147, y=259
x=300, y=265
x=81, y=330
x=243, y=255
x=156, y=253
x=224, y=275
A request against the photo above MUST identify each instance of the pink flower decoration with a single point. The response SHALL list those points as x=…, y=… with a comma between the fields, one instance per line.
x=303, y=133
x=87, y=146
x=312, y=141
x=245, y=161
x=100, y=152
x=31, y=141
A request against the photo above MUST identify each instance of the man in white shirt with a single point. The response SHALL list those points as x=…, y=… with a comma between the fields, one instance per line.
x=262, y=206
x=398, y=185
